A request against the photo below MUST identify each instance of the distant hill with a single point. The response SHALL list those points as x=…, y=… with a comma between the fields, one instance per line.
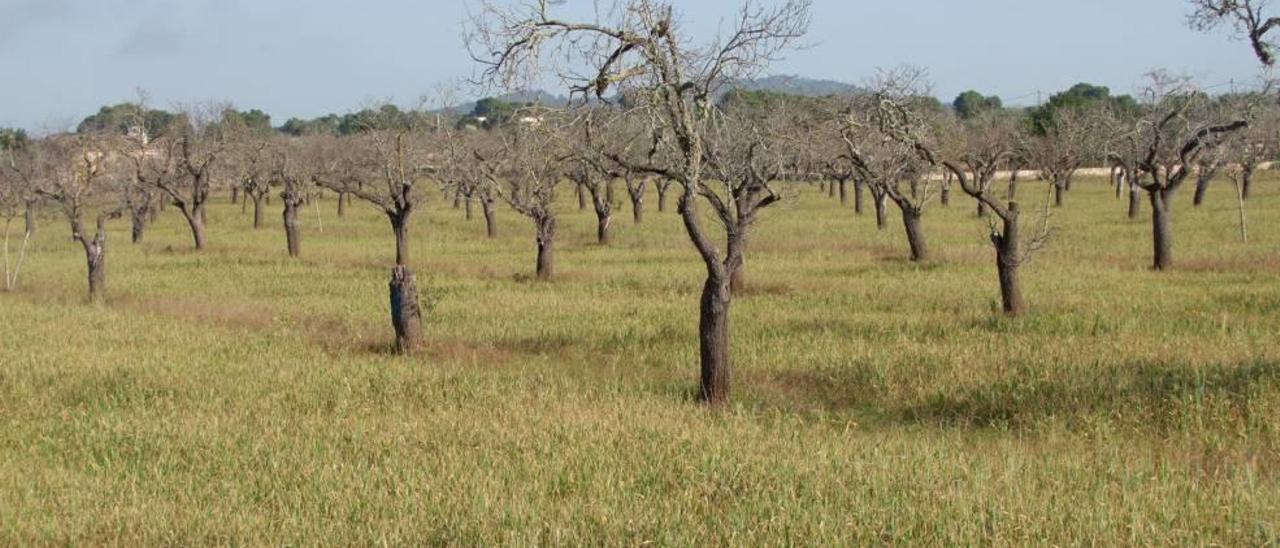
x=795, y=85
x=540, y=97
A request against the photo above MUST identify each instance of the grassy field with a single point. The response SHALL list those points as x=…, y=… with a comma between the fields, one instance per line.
x=238, y=397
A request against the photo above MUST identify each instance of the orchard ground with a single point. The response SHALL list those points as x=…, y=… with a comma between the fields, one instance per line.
x=237, y=396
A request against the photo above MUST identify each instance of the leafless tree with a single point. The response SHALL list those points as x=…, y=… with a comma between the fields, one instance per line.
x=292, y=164
x=1068, y=140
x=469, y=157
x=747, y=157
x=1248, y=149
x=885, y=137
x=622, y=142
x=251, y=163
x=76, y=172
x=1208, y=166
x=974, y=156
x=640, y=46
x=384, y=167
x=1164, y=145
x=16, y=191
x=534, y=160
x=1247, y=18
x=197, y=142
x=840, y=171
x=141, y=200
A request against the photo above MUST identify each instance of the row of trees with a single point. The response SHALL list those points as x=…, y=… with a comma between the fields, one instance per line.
x=646, y=116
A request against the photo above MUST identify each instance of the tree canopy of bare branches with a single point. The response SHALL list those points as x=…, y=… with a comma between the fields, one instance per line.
x=1247, y=18
x=639, y=49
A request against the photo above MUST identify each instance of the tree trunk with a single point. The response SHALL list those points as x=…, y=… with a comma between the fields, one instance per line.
x=662, y=197
x=257, y=211
x=945, y=195
x=1203, y=178
x=400, y=226
x=1012, y=192
x=468, y=206
x=406, y=313
x=342, y=204
x=1162, y=230
x=1244, y=222
x=138, y=227
x=882, y=212
x=1059, y=190
x=96, y=257
x=1117, y=180
x=1007, y=262
x=858, y=188
x=95, y=252
x=844, y=192
x=196, y=221
x=1135, y=203
x=291, y=233
x=713, y=340
x=982, y=209
x=490, y=220
x=457, y=200
x=603, y=206
x=915, y=235
x=29, y=218
x=582, y=198
x=235, y=194
x=637, y=204
x=831, y=189
x=545, y=240
x=603, y=222
x=1246, y=175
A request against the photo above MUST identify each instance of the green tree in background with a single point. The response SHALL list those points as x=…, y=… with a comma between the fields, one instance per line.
x=971, y=103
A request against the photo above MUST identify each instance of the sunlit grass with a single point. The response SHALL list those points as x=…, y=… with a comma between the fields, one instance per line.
x=236, y=396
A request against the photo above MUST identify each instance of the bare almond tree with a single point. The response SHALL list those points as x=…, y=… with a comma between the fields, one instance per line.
x=292, y=164
x=468, y=162
x=1208, y=166
x=623, y=142
x=747, y=157
x=526, y=173
x=1248, y=149
x=149, y=161
x=1247, y=18
x=198, y=141
x=75, y=172
x=985, y=144
x=589, y=174
x=640, y=47
x=1164, y=145
x=840, y=171
x=251, y=164
x=384, y=166
x=17, y=189
x=142, y=201
x=1066, y=142
x=885, y=136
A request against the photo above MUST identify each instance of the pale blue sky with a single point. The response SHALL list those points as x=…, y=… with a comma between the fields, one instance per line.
x=62, y=59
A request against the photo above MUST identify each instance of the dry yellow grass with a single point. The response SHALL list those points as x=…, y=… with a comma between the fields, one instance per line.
x=238, y=397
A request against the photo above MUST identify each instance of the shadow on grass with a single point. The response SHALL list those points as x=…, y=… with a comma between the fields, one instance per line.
x=1157, y=394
